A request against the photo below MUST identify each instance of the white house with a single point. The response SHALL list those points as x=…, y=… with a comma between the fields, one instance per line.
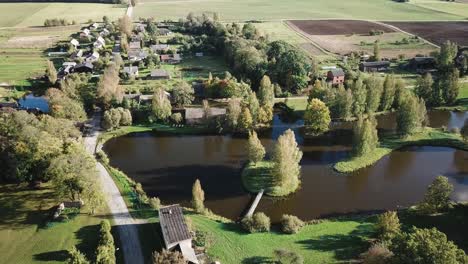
x=75, y=43
x=131, y=70
x=93, y=57
x=95, y=26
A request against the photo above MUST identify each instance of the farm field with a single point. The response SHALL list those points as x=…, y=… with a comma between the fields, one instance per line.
x=345, y=36
x=243, y=10
x=460, y=8
x=437, y=32
x=25, y=239
x=34, y=14
x=18, y=65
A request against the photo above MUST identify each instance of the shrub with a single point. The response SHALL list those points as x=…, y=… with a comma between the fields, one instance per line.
x=76, y=257
x=176, y=118
x=286, y=256
x=155, y=203
x=291, y=224
x=377, y=254
x=437, y=196
x=102, y=157
x=105, y=253
x=259, y=222
x=388, y=225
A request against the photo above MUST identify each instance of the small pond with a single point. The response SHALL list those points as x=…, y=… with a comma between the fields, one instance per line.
x=168, y=165
x=31, y=102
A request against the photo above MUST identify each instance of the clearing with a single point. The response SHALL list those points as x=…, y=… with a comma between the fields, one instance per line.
x=243, y=10
x=437, y=32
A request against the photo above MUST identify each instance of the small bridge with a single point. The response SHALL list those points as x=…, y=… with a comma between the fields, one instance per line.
x=255, y=204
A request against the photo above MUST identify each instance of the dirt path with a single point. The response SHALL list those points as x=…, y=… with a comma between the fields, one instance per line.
x=126, y=225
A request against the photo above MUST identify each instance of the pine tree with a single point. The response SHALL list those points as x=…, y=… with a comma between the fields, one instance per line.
x=51, y=72
x=424, y=88
x=317, y=117
x=388, y=94
x=255, y=149
x=198, y=197
x=286, y=158
x=253, y=106
x=365, y=139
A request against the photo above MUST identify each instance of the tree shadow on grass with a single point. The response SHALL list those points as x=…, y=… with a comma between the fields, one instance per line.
x=59, y=255
x=88, y=238
x=258, y=260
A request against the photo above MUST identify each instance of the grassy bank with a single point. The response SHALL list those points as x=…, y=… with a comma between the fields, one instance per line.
x=256, y=177
x=26, y=238
x=428, y=137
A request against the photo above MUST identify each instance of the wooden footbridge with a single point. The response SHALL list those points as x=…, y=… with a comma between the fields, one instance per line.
x=254, y=205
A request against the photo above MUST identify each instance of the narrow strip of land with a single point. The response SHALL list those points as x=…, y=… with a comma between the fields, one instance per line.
x=255, y=203
x=126, y=225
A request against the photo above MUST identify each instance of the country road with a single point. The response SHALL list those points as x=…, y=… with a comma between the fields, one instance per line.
x=126, y=225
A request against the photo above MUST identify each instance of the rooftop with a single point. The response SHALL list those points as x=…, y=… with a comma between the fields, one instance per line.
x=173, y=224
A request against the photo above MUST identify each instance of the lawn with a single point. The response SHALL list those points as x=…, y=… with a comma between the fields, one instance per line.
x=18, y=65
x=34, y=14
x=25, y=239
x=243, y=10
x=428, y=137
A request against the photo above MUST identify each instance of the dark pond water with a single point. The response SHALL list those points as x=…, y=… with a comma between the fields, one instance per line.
x=31, y=102
x=167, y=166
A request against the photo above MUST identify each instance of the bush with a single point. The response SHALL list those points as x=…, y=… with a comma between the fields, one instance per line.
x=105, y=253
x=176, y=118
x=388, y=225
x=291, y=224
x=155, y=203
x=437, y=196
x=286, y=256
x=259, y=222
x=377, y=254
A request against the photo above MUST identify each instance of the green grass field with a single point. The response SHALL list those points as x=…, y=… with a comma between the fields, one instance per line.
x=24, y=237
x=460, y=9
x=34, y=14
x=17, y=65
x=242, y=10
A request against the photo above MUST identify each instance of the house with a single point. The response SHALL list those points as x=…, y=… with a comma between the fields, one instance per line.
x=84, y=67
x=105, y=32
x=93, y=57
x=140, y=27
x=159, y=47
x=94, y=26
x=134, y=45
x=77, y=54
x=374, y=66
x=131, y=71
x=171, y=58
x=165, y=32
x=137, y=55
x=99, y=43
x=136, y=37
x=85, y=33
x=67, y=67
x=75, y=43
x=336, y=76
x=158, y=74
x=175, y=232
x=422, y=64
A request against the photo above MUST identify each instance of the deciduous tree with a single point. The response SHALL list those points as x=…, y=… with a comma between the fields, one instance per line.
x=424, y=88
x=266, y=92
x=183, y=94
x=245, y=122
x=161, y=106
x=125, y=25
x=450, y=86
x=365, y=138
x=256, y=151
x=76, y=257
x=233, y=113
x=388, y=94
x=317, y=117
x=109, y=91
x=437, y=196
x=286, y=158
x=411, y=115
x=198, y=197
x=388, y=225
x=51, y=72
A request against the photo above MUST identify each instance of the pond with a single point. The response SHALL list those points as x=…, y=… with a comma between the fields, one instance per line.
x=31, y=102
x=168, y=165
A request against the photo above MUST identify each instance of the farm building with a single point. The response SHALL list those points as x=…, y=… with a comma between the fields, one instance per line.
x=93, y=57
x=159, y=47
x=84, y=67
x=336, y=76
x=131, y=70
x=374, y=66
x=171, y=58
x=159, y=74
x=422, y=64
x=175, y=232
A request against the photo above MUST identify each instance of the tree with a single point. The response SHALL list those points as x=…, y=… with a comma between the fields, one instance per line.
x=376, y=51
x=286, y=256
x=168, y=257
x=245, y=122
x=253, y=105
x=161, y=106
x=422, y=246
x=255, y=149
x=342, y=106
x=411, y=115
x=365, y=138
x=437, y=196
x=105, y=253
x=388, y=94
x=450, y=86
x=447, y=54
x=233, y=113
x=377, y=254
x=183, y=94
x=76, y=257
x=374, y=93
x=109, y=91
x=51, y=72
x=125, y=25
x=265, y=115
x=259, y=222
x=424, y=88
x=291, y=224
x=286, y=158
x=388, y=225
x=198, y=197
x=125, y=117
x=464, y=131
x=266, y=92
x=61, y=106
x=317, y=117
x=359, y=97
x=155, y=203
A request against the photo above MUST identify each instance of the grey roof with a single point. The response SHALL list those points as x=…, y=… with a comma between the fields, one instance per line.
x=131, y=69
x=159, y=47
x=86, y=64
x=375, y=63
x=134, y=45
x=159, y=73
x=173, y=224
x=337, y=72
